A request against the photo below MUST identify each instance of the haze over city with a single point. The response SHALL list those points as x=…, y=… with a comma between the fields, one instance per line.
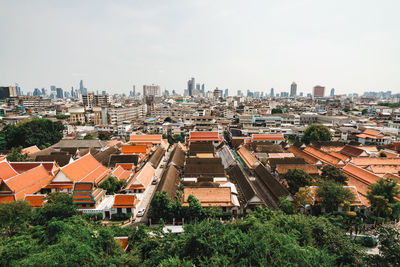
x=351, y=46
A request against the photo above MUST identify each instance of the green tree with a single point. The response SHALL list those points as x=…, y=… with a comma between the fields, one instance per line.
x=304, y=197
x=286, y=206
x=316, y=132
x=89, y=137
x=16, y=156
x=58, y=206
x=194, y=211
x=112, y=185
x=382, y=196
x=389, y=249
x=160, y=207
x=332, y=173
x=40, y=132
x=382, y=155
x=364, y=112
x=332, y=194
x=14, y=216
x=297, y=178
x=276, y=111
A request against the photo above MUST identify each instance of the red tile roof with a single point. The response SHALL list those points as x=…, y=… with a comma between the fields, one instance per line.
x=142, y=178
x=352, y=151
x=145, y=138
x=209, y=197
x=310, y=169
x=135, y=150
x=28, y=182
x=324, y=157
x=344, y=158
x=21, y=167
x=247, y=157
x=204, y=136
x=360, y=173
x=268, y=137
x=6, y=170
x=125, y=201
x=30, y=150
x=86, y=169
x=122, y=174
x=123, y=241
x=365, y=161
x=6, y=198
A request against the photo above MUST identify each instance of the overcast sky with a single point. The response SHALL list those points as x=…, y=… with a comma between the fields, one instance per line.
x=352, y=46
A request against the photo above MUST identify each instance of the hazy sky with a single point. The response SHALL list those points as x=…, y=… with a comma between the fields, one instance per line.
x=353, y=46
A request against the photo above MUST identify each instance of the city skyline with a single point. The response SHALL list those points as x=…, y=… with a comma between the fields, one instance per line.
x=231, y=45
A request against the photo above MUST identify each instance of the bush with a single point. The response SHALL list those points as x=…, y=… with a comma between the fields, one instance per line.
x=367, y=241
x=120, y=216
x=93, y=216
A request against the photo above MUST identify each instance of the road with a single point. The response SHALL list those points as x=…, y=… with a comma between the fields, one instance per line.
x=145, y=202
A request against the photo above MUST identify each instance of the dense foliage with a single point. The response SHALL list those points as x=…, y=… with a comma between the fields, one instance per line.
x=316, y=132
x=15, y=155
x=40, y=132
x=112, y=185
x=262, y=238
x=330, y=172
x=297, y=178
x=382, y=198
x=332, y=194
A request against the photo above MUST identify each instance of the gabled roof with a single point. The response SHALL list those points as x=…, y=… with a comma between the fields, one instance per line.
x=86, y=193
x=28, y=182
x=352, y=151
x=61, y=159
x=135, y=150
x=114, y=159
x=365, y=161
x=301, y=154
x=157, y=157
x=122, y=174
x=145, y=138
x=21, y=167
x=125, y=201
x=281, y=155
x=209, y=196
x=6, y=170
x=310, y=169
x=201, y=147
x=360, y=173
x=324, y=157
x=268, y=137
x=372, y=135
x=86, y=169
x=344, y=158
x=383, y=169
x=247, y=157
x=204, y=136
x=30, y=150
x=170, y=182
x=142, y=178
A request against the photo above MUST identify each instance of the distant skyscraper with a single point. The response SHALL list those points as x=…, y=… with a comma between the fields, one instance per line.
x=293, y=89
x=191, y=86
x=103, y=92
x=309, y=95
x=151, y=90
x=301, y=93
x=36, y=92
x=226, y=92
x=332, y=92
x=44, y=92
x=133, y=91
x=198, y=86
x=72, y=92
x=272, y=92
x=318, y=91
x=52, y=88
x=60, y=93
x=239, y=92
x=203, y=90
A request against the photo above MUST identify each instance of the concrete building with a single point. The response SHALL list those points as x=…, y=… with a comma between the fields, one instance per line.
x=8, y=91
x=318, y=91
x=151, y=90
x=293, y=89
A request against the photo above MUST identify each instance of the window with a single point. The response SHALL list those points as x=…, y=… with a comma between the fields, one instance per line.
x=119, y=210
x=128, y=210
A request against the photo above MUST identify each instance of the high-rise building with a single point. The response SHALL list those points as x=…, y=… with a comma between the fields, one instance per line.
x=8, y=91
x=318, y=91
x=59, y=93
x=18, y=90
x=36, y=92
x=217, y=93
x=226, y=92
x=44, y=93
x=272, y=94
x=191, y=86
x=301, y=93
x=151, y=90
x=239, y=93
x=133, y=90
x=198, y=86
x=52, y=88
x=203, y=90
x=309, y=95
x=332, y=92
x=293, y=89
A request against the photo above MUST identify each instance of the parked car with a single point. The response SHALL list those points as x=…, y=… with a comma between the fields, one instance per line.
x=141, y=213
x=155, y=180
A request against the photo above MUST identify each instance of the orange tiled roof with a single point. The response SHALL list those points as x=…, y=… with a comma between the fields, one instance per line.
x=28, y=182
x=113, y=142
x=121, y=174
x=382, y=169
x=126, y=166
x=134, y=150
x=310, y=169
x=365, y=161
x=281, y=155
x=268, y=137
x=301, y=154
x=204, y=136
x=142, y=178
x=358, y=200
x=344, y=158
x=209, y=196
x=6, y=170
x=36, y=201
x=123, y=241
x=124, y=201
x=247, y=157
x=371, y=132
x=21, y=167
x=390, y=154
x=324, y=157
x=360, y=173
x=372, y=135
x=145, y=138
x=30, y=150
x=86, y=169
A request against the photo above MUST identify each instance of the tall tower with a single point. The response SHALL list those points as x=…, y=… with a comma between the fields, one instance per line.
x=332, y=92
x=272, y=94
x=318, y=91
x=191, y=86
x=293, y=89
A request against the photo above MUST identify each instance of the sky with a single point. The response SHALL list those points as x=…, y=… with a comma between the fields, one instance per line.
x=350, y=45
